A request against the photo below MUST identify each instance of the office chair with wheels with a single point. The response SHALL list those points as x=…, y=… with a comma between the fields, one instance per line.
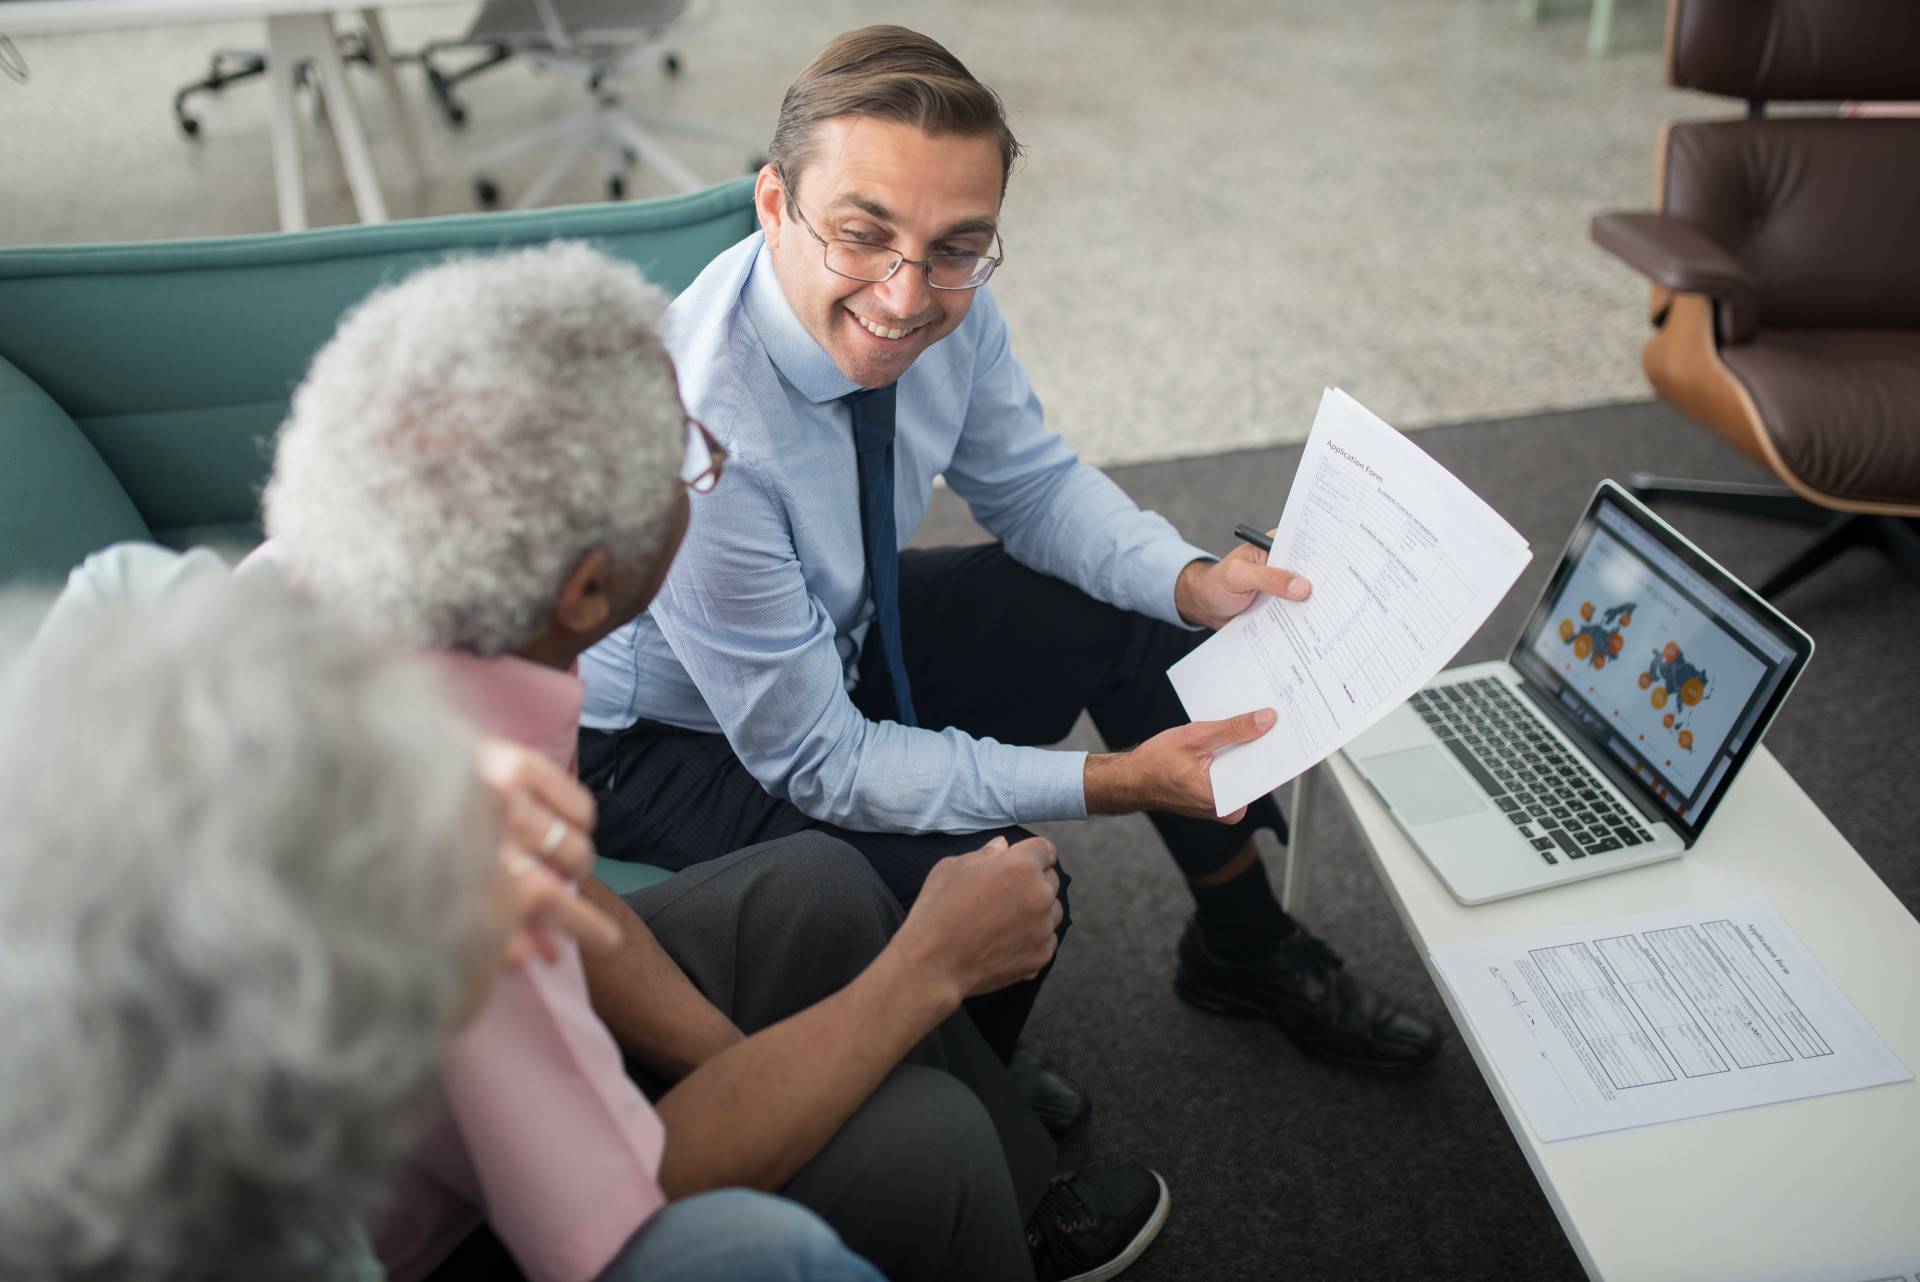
x=230, y=66
x=1785, y=260
x=595, y=42
x=227, y=66
x=367, y=46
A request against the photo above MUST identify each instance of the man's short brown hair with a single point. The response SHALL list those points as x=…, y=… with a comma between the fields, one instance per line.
x=888, y=73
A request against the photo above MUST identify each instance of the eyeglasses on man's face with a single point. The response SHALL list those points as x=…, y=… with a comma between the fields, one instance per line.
x=701, y=465
x=865, y=261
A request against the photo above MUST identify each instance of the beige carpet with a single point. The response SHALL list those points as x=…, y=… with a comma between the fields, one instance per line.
x=1227, y=206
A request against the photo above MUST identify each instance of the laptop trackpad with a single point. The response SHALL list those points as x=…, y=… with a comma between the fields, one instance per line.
x=1422, y=785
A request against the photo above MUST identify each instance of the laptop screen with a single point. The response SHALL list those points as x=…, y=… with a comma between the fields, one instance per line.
x=1663, y=658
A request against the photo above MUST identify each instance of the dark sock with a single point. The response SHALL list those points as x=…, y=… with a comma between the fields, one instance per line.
x=1240, y=919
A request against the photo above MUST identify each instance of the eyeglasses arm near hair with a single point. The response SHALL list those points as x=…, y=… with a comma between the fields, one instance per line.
x=704, y=460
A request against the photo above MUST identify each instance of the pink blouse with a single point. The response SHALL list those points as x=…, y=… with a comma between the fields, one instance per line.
x=539, y=1130
x=542, y=1133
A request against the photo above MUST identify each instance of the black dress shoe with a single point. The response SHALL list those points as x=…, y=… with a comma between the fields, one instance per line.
x=1055, y=1100
x=1302, y=987
x=1092, y=1224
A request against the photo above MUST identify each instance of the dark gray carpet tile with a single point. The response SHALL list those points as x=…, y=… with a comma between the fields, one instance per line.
x=1283, y=1168
x=1280, y=1166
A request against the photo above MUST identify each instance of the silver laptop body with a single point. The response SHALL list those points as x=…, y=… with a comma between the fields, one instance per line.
x=1645, y=677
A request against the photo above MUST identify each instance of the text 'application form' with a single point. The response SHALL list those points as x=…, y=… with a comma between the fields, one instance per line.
x=1406, y=563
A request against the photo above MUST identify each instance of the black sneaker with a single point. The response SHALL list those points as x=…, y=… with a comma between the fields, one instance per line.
x=1302, y=987
x=1092, y=1224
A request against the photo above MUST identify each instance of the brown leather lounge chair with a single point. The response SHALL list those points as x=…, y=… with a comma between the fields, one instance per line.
x=1785, y=261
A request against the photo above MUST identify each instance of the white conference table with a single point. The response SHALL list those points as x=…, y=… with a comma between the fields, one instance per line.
x=1825, y=1188
x=297, y=31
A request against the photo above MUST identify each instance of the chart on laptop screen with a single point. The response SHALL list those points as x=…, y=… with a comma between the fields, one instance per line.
x=1668, y=679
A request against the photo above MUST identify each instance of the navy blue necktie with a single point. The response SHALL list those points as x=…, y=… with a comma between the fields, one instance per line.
x=873, y=451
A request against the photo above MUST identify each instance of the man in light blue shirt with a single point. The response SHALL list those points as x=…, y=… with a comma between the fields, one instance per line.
x=798, y=670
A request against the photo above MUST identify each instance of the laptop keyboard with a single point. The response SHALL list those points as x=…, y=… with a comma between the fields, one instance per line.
x=1548, y=794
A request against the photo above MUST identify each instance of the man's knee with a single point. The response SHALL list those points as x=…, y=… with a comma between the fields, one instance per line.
x=737, y=1234
x=917, y=1182
x=818, y=859
x=772, y=929
x=823, y=885
x=809, y=877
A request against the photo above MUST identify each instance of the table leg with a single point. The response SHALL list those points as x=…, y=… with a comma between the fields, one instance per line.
x=344, y=115
x=1600, y=28
x=289, y=182
x=403, y=122
x=308, y=37
x=1293, y=886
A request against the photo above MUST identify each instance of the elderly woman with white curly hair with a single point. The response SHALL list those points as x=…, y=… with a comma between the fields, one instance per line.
x=490, y=461
x=243, y=901
x=228, y=979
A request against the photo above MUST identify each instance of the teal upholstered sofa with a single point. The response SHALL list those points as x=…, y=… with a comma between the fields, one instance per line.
x=140, y=385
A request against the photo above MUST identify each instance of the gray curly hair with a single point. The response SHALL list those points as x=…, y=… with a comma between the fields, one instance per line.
x=244, y=881
x=469, y=434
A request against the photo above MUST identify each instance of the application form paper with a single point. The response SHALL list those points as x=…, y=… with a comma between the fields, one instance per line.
x=1406, y=564
x=1661, y=1016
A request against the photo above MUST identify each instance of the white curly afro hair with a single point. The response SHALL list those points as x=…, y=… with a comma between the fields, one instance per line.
x=469, y=434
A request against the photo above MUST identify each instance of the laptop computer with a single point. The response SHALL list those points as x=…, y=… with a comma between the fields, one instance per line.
x=1607, y=738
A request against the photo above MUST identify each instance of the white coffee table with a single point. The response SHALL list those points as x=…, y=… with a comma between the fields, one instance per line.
x=1825, y=1188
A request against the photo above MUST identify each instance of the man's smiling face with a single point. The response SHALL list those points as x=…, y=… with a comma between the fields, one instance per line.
x=889, y=184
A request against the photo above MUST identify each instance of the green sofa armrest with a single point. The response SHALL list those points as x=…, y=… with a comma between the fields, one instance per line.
x=624, y=878
x=58, y=499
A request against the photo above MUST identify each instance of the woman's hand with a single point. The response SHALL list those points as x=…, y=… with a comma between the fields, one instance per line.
x=546, y=847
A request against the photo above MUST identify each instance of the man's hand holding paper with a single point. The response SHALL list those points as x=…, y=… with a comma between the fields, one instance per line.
x=1406, y=564
x=1210, y=594
x=1172, y=771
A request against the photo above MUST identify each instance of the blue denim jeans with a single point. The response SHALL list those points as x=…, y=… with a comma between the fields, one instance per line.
x=734, y=1235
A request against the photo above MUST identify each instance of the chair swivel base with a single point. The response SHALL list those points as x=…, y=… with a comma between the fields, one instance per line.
x=230, y=66
x=1898, y=537
x=622, y=134
x=443, y=82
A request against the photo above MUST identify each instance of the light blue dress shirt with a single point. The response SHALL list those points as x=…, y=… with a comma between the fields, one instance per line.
x=757, y=631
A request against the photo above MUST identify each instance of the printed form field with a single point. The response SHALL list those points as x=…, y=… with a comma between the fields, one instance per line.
x=1384, y=596
x=1667, y=1015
